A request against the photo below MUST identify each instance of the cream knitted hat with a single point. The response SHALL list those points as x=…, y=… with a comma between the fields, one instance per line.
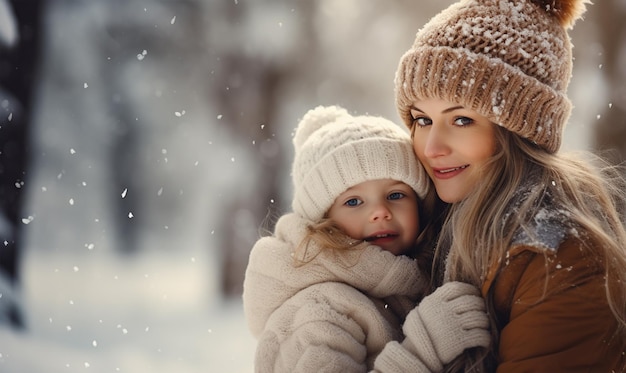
x=335, y=151
x=509, y=60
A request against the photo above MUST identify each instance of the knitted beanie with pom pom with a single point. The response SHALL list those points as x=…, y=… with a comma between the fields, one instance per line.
x=508, y=60
x=335, y=151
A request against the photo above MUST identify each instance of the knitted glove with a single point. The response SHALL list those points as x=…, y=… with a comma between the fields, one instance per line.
x=445, y=323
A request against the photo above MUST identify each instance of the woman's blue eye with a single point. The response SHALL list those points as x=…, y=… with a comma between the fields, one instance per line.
x=353, y=202
x=463, y=121
x=396, y=195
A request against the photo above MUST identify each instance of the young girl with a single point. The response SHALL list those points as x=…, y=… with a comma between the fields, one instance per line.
x=483, y=91
x=334, y=283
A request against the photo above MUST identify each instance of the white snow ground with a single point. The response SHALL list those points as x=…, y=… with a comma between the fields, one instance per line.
x=112, y=314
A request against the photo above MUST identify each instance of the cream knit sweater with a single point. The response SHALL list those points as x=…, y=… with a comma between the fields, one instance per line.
x=332, y=314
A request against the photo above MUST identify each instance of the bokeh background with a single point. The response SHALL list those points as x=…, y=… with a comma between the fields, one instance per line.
x=145, y=145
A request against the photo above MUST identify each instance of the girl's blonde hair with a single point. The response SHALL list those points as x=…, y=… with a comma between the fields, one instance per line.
x=324, y=235
x=590, y=194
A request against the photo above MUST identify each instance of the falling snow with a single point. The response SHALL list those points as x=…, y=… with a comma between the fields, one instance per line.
x=142, y=55
x=160, y=310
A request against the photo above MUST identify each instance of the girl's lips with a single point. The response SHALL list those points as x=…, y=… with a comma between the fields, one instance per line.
x=381, y=237
x=447, y=173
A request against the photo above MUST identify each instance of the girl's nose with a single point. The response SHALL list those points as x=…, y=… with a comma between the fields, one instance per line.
x=380, y=212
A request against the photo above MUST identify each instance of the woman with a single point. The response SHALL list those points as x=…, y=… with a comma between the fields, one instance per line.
x=483, y=91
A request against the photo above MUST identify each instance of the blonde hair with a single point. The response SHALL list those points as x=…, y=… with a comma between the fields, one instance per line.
x=324, y=235
x=518, y=180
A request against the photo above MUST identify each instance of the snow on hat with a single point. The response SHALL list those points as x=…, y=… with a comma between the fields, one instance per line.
x=508, y=60
x=335, y=151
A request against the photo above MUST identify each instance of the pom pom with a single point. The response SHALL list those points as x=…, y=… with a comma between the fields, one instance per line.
x=566, y=12
x=316, y=118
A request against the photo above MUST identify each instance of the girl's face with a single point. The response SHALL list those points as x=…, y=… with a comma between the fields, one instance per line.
x=383, y=212
x=453, y=143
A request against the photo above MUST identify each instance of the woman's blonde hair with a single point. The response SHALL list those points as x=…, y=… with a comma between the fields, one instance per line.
x=518, y=181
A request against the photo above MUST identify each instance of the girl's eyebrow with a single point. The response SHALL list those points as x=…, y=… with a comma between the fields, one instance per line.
x=453, y=108
x=397, y=182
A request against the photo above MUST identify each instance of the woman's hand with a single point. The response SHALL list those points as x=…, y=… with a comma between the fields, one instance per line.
x=441, y=327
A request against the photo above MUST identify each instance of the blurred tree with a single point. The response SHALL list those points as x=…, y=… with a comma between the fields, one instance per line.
x=610, y=132
x=248, y=89
x=18, y=69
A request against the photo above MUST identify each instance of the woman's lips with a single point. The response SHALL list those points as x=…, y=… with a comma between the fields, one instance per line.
x=447, y=173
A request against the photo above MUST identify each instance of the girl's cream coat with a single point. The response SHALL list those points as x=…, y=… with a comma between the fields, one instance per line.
x=334, y=313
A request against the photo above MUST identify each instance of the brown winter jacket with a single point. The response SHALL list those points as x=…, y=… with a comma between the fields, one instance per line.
x=562, y=325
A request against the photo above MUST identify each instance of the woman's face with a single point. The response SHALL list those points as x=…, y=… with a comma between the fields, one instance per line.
x=453, y=143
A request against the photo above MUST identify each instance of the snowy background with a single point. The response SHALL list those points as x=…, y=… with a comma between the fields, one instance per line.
x=160, y=147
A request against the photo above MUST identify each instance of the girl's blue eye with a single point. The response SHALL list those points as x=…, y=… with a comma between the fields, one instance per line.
x=463, y=121
x=396, y=195
x=353, y=202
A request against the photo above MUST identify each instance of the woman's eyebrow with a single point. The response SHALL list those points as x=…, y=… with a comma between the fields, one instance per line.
x=453, y=108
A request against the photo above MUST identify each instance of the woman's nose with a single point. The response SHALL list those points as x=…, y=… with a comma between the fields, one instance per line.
x=434, y=142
